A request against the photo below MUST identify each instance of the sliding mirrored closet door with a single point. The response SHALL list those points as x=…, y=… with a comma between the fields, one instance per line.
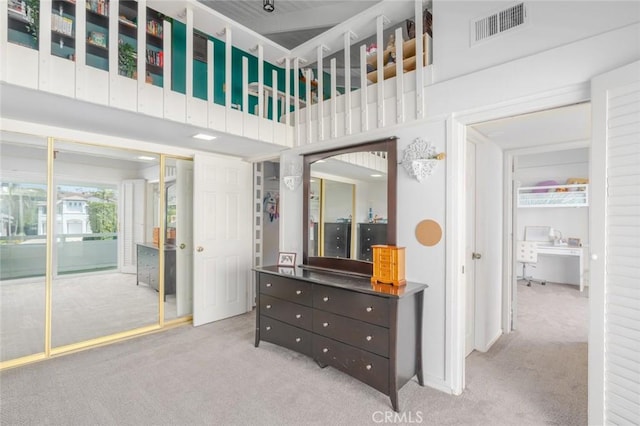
x=105, y=261
x=23, y=213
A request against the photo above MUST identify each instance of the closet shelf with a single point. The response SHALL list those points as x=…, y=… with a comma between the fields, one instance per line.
x=554, y=196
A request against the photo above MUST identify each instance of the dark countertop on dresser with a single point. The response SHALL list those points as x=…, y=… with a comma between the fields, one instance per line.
x=342, y=280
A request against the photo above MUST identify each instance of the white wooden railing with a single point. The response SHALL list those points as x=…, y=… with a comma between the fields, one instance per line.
x=389, y=102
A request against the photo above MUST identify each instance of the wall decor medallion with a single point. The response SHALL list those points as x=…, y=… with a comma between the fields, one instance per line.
x=420, y=159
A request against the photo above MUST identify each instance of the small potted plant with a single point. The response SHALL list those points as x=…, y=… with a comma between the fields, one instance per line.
x=127, y=59
x=33, y=16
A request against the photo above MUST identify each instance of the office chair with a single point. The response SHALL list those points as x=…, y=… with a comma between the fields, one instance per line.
x=527, y=254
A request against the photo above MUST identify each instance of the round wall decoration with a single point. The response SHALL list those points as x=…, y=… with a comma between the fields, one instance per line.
x=428, y=233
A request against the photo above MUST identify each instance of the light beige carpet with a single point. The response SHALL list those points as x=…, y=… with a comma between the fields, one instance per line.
x=213, y=375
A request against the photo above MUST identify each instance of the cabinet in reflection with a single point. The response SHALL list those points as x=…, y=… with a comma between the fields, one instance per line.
x=149, y=268
x=368, y=235
x=337, y=239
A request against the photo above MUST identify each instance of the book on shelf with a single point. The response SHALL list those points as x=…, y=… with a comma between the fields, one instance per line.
x=62, y=24
x=155, y=58
x=97, y=39
x=154, y=28
x=100, y=7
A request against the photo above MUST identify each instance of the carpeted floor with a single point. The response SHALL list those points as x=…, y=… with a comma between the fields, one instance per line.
x=84, y=307
x=213, y=375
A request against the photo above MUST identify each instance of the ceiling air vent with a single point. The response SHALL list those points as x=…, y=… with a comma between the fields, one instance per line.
x=498, y=22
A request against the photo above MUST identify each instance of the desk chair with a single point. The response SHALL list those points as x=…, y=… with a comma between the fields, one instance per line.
x=527, y=254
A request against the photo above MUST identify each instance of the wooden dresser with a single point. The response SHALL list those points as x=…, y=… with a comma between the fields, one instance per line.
x=148, y=267
x=370, y=234
x=337, y=239
x=371, y=332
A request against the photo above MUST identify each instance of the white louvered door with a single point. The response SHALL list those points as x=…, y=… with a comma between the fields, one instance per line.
x=614, y=339
x=131, y=223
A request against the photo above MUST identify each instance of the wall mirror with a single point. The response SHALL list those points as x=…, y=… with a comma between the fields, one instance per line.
x=349, y=204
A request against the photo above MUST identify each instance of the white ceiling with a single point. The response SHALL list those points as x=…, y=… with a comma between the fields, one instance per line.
x=544, y=128
x=293, y=22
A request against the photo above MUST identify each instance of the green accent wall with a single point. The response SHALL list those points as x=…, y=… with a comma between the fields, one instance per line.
x=200, y=89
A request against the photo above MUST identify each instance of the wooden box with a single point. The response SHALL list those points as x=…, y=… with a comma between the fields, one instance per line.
x=388, y=265
x=156, y=236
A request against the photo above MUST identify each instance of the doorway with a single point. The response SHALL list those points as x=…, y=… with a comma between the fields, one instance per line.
x=533, y=135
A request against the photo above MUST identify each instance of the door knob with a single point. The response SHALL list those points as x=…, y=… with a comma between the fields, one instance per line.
x=182, y=246
x=476, y=256
x=200, y=248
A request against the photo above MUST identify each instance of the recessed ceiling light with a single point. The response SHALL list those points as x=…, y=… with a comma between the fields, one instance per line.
x=145, y=158
x=376, y=175
x=204, y=137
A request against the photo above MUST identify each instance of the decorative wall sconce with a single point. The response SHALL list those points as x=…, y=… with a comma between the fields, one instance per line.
x=291, y=175
x=291, y=182
x=420, y=159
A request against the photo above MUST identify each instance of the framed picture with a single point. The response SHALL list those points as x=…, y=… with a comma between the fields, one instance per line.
x=286, y=259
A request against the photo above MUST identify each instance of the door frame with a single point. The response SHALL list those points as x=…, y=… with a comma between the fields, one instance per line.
x=456, y=215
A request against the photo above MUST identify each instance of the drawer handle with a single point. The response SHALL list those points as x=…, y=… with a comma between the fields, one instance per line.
x=325, y=324
x=369, y=367
x=268, y=306
x=369, y=338
x=268, y=327
x=298, y=292
x=369, y=309
x=268, y=284
x=325, y=299
x=325, y=350
x=298, y=339
x=298, y=316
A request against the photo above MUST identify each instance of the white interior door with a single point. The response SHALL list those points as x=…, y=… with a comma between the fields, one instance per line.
x=513, y=311
x=131, y=222
x=614, y=230
x=470, y=273
x=184, y=237
x=222, y=237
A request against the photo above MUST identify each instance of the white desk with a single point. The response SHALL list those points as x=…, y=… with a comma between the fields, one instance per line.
x=551, y=250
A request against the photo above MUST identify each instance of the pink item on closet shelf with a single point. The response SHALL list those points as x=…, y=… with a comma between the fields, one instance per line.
x=545, y=183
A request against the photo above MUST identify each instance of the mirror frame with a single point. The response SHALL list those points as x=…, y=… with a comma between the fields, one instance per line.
x=388, y=145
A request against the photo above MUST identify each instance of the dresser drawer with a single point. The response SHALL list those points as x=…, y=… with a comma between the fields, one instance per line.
x=362, y=365
x=294, y=338
x=352, y=304
x=285, y=311
x=286, y=288
x=372, y=338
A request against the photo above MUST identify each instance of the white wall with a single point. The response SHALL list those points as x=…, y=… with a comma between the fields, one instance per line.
x=566, y=69
x=570, y=221
x=551, y=24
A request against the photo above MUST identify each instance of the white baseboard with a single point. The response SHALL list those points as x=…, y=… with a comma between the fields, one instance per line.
x=491, y=342
x=437, y=384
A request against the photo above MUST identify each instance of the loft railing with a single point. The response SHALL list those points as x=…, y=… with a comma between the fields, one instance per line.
x=228, y=78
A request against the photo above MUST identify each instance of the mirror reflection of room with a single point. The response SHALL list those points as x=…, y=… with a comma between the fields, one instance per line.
x=348, y=205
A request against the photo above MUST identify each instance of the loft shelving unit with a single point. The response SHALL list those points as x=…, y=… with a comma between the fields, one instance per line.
x=554, y=196
x=98, y=34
